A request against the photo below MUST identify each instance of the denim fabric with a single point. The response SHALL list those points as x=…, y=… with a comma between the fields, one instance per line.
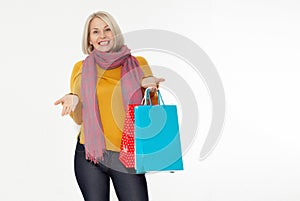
x=94, y=180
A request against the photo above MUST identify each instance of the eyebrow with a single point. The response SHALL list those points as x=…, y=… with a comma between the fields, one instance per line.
x=104, y=27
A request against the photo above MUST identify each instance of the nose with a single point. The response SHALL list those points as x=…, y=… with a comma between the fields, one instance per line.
x=102, y=34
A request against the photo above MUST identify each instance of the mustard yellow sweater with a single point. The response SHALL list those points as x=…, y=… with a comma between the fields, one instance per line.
x=109, y=100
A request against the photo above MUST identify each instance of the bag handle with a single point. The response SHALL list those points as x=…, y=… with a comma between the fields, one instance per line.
x=147, y=97
x=160, y=98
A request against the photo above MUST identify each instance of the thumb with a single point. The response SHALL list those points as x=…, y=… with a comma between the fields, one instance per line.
x=58, y=101
x=157, y=80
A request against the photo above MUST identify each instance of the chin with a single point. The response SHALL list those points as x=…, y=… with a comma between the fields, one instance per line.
x=104, y=49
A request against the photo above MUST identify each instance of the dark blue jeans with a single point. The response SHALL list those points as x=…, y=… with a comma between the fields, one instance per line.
x=94, y=180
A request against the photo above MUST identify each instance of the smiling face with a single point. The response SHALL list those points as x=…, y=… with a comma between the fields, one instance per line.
x=100, y=35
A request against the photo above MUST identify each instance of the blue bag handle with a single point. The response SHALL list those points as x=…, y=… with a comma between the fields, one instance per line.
x=160, y=98
x=147, y=97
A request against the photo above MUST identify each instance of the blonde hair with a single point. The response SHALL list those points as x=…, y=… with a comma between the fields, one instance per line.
x=87, y=48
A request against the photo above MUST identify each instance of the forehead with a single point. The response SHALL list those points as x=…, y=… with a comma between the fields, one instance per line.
x=97, y=23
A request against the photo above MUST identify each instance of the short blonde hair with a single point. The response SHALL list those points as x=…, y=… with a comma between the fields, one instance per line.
x=87, y=48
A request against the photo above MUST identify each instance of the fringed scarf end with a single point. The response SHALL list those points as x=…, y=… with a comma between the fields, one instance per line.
x=94, y=159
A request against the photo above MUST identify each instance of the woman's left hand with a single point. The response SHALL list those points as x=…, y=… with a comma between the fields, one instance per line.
x=152, y=82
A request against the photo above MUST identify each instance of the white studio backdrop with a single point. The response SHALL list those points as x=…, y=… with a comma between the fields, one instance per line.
x=255, y=47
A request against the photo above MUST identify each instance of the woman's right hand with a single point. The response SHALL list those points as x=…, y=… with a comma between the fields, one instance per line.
x=69, y=103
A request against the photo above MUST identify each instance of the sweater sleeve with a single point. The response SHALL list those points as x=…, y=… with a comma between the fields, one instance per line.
x=75, y=82
x=147, y=73
x=144, y=66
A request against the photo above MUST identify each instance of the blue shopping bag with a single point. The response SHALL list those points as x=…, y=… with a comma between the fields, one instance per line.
x=157, y=138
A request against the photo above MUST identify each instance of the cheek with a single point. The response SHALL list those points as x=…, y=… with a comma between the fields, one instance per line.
x=112, y=41
x=92, y=39
x=111, y=36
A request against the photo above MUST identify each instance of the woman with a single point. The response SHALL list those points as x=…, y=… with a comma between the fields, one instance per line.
x=101, y=87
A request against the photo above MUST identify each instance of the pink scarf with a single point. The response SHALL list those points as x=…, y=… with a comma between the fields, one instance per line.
x=131, y=75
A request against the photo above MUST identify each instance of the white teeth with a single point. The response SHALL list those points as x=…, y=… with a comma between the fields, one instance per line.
x=104, y=43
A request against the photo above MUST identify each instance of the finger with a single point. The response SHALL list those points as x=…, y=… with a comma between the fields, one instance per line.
x=152, y=88
x=68, y=110
x=58, y=101
x=158, y=80
x=73, y=108
x=75, y=100
x=63, y=112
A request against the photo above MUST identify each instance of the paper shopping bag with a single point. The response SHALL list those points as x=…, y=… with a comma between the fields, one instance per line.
x=156, y=137
x=127, y=153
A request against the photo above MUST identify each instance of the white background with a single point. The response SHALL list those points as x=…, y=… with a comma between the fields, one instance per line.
x=255, y=48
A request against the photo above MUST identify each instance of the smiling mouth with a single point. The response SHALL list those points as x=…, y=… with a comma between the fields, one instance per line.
x=103, y=43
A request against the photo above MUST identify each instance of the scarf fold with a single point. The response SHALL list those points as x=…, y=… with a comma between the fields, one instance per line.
x=131, y=75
